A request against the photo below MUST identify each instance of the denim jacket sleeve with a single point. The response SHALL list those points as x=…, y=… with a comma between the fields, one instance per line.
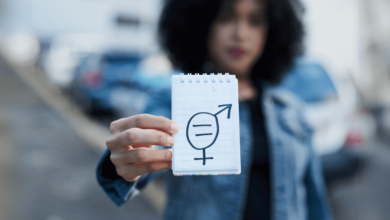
x=317, y=202
x=118, y=189
x=288, y=108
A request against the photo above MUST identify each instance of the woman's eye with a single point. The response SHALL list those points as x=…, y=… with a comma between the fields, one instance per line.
x=257, y=20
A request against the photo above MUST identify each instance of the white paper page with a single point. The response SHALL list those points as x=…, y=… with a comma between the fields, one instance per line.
x=207, y=113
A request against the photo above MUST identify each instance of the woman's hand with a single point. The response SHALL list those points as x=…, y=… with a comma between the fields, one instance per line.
x=132, y=143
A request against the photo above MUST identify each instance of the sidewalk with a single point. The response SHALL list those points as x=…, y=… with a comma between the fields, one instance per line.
x=46, y=171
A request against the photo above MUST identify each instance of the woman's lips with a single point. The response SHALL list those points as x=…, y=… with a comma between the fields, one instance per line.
x=236, y=52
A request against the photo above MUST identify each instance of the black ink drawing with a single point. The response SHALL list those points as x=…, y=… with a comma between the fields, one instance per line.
x=213, y=120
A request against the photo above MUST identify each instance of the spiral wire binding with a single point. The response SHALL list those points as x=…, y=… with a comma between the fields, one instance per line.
x=227, y=77
x=197, y=77
x=220, y=77
x=212, y=78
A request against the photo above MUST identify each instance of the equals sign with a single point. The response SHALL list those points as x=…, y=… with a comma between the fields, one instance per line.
x=205, y=125
x=204, y=134
x=201, y=125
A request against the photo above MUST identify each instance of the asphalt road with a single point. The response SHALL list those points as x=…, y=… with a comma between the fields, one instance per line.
x=46, y=172
x=367, y=195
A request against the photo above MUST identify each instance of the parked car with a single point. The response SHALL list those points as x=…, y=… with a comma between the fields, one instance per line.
x=65, y=53
x=115, y=83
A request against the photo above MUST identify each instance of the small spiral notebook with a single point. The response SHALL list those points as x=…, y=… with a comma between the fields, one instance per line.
x=206, y=109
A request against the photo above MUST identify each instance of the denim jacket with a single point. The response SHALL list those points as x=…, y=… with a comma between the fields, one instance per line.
x=297, y=188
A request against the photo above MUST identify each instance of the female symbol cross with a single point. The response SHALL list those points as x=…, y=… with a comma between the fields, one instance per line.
x=208, y=123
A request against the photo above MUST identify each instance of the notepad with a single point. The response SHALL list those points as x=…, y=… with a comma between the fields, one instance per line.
x=206, y=109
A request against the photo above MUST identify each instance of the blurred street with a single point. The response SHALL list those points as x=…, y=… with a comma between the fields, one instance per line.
x=46, y=172
x=366, y=196
x=65, y=75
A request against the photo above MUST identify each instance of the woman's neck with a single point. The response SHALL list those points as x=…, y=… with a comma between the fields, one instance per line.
x=246, y=90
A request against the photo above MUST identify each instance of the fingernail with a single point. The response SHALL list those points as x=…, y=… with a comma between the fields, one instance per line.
x=170, y=140
x=175, y=127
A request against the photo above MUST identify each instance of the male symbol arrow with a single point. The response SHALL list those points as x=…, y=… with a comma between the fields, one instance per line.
x=228, y=106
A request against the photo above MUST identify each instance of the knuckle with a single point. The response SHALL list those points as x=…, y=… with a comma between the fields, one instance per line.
x=141, y=155
x=130, y=157
x=161, y=137
x=138, y=120
x=131, y=135
x=167, y=155
x=151, y=167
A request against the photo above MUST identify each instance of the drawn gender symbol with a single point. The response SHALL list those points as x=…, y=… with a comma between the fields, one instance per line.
x=204, y=122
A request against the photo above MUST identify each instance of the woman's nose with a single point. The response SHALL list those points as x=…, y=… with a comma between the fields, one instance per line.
x=241, y=30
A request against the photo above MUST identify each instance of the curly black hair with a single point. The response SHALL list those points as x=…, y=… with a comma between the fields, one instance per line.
x=184, y=29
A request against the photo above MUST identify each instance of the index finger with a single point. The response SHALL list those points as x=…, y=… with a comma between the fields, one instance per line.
x=144, y=121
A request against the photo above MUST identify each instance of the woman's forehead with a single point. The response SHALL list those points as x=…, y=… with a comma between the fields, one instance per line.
x=230, y=5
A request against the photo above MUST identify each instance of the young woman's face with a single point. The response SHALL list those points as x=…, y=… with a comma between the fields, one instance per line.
x=237, y=36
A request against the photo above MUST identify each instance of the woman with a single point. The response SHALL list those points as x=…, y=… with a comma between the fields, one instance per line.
x=257, y=40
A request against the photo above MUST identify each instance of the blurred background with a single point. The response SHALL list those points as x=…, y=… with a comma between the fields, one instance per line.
x=68, y=68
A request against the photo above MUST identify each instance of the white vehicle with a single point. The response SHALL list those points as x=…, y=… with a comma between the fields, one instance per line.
x=116, y=26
